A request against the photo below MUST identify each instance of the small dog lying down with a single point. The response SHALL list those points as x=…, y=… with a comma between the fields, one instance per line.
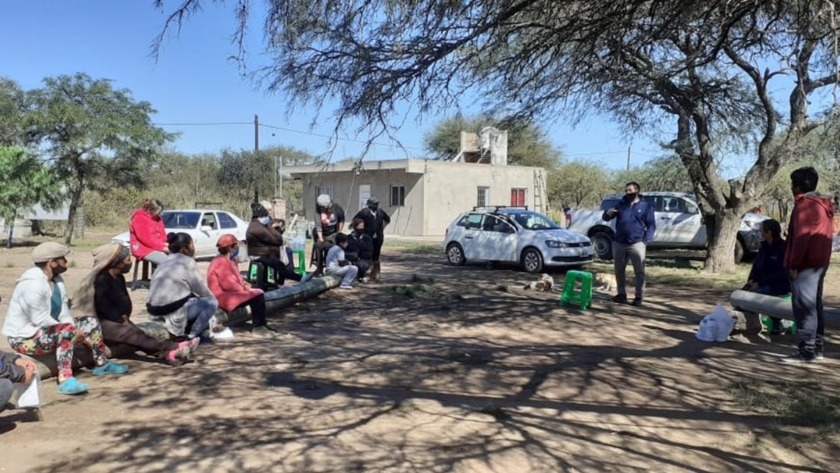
x=545, y=283
x=604, y=281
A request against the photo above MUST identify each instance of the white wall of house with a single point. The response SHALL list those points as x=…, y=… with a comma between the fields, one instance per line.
x=435, y=192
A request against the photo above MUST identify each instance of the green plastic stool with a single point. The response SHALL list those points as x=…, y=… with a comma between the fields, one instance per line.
x=300, y=257
x=570, y=295
x=767, y=321
x=261, y=275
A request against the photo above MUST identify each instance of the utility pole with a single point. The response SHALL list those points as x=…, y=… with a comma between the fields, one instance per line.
x=256, y=133
x=256, y=150
x=628, y=156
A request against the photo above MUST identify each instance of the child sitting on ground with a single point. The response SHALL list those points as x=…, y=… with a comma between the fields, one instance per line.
x=337, y=264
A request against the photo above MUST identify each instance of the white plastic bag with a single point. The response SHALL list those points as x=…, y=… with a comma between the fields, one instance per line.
x=225, y=335
x=29, y=395
x=716, y=326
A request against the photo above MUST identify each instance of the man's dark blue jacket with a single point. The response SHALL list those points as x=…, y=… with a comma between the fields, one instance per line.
x=768, y=268
x=634, y=222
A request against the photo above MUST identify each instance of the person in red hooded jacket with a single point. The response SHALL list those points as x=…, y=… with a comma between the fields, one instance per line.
x=226, y=283
x=807, y=257
x=147, y=236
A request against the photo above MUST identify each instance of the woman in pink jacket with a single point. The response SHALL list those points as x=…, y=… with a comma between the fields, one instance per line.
x=147, y=236
x=226, y=283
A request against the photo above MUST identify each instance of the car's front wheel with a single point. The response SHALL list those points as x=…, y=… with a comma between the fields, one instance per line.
x=532, y=260
x=455, y=254
x=602, y=245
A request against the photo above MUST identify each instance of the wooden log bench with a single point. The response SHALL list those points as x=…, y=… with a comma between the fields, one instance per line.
x=275, y=301
x=750, y=306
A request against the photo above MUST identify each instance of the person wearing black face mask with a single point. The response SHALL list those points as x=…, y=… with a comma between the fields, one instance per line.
x=178, y=296
x=39, y=319
x=635, y=224
x=359, y=249
x=375, y=220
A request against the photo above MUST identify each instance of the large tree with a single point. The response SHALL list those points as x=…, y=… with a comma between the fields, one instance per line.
x=95, y=136
x=706, y=78
x=14, y=109
x=578, y=184
x=26, y=182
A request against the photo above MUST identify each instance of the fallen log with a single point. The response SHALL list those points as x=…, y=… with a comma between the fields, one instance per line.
x=755, y=303
x=274, y=301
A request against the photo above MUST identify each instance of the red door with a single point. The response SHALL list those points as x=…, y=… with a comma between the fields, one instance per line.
x=517, y=197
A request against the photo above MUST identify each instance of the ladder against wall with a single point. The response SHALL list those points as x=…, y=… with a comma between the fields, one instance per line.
x=540, y=205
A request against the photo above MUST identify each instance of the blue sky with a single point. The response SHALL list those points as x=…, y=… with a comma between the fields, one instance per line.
x=193, y=81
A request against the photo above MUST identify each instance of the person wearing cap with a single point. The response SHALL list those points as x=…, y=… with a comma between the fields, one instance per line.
x=103, y=292
x=39, y=321
x=147, y=235
x=226, y=283
x=264, y=242
x=178, y=295
x=375, y=220
x=329, y=222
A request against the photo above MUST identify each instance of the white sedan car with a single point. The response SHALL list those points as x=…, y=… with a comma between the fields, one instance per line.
x=204, y=226
x=514, y=235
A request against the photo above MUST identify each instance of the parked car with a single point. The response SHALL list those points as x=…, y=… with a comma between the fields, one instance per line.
x=679, y=225
x=514, y=235
x=204, y=226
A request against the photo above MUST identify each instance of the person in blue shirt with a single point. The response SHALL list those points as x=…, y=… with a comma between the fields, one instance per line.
x=768, y=275
x=634, y=227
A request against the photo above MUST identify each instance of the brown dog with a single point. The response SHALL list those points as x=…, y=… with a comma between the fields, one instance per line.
x=545, y=283
x=604, y=281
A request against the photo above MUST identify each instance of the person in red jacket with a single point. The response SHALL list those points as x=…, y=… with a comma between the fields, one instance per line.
x=226, y=283
x=807, y=257
x=147, y=236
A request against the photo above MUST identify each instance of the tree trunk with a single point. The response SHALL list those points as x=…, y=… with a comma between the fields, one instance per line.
x=722, y=230
x=75, y=203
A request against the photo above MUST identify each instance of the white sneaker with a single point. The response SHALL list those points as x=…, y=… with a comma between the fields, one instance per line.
x=363, y=279
x=349, y=288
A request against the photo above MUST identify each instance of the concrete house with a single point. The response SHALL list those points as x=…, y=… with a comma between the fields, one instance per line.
x=423, y=196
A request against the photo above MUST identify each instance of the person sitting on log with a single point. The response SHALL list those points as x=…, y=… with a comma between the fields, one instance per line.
x=178, y=295
x=768, y=275
x=104, y=293
x=337, y=264
x=39, y=320
x=232, y=292
x=359, y=248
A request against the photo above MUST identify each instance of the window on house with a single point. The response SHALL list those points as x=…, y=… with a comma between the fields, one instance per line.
x=483, y=196
x=517, y=197
x=323, y=190
x=397, y=196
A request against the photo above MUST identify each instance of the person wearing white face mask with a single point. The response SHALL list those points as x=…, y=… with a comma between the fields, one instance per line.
x=264, y=241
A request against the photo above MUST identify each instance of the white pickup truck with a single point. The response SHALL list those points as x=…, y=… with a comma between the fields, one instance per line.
x=679, y=225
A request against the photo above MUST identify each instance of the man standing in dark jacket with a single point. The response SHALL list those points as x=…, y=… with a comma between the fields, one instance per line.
x=807, y=258
x=634, y=226
x=375, y=220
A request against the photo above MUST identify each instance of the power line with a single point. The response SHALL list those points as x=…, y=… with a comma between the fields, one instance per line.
x=274, y=127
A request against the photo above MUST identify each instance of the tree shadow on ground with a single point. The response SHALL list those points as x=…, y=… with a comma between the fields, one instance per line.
x=466, y=378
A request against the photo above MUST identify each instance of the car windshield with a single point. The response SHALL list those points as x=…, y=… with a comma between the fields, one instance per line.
x=534, y=221
x=184, y=220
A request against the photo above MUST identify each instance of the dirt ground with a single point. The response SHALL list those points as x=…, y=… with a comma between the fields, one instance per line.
x=466, y=372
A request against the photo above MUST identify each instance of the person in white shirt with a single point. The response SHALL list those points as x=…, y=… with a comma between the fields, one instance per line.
x=337, y=264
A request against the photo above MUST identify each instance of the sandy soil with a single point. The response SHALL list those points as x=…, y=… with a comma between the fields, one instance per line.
x=465, y=373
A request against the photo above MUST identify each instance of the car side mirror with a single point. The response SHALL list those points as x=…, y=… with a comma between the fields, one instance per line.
x=205, y=228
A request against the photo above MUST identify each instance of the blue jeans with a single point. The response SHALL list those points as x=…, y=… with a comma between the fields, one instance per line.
x=6, y=390
x=199, y=311
x=807, y=293
x=346, y=273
